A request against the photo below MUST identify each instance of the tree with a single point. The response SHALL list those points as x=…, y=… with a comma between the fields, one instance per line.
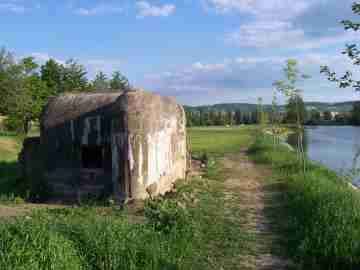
x=295, y=108
x=52, y=74
x=230, y=118
x=7, y=63
x=74, y=77
x=100, y=82
x=289, y=88
x=238, y=117
x=352, y=51
x=355, y=114
x=119, y=82
x=29, y=94
x=328, y=116
x=315, y=116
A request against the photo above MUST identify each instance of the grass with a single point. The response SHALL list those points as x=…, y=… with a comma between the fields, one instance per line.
x=188, y=229
x=217, y=141
x=323, y=212
x=10, y=147
x=196, y=227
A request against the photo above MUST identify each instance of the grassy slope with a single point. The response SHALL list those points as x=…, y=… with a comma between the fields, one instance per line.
x=323, y=224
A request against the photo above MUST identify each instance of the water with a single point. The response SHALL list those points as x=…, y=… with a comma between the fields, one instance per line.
x=333, y=146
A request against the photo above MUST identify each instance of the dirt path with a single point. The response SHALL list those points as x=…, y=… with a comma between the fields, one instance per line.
x=254, y=200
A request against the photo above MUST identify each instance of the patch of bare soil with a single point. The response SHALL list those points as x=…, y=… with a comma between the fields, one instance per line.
x=246, y=188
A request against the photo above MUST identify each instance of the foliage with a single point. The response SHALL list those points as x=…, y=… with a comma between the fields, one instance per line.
x=221, y=118
x=295, y=108
x=52, y=73
x=166, y=215
x=355, y=114
x=315, y=116
x=353, y=53
x=119, y=82
x=290, y=90
x=100, y=82
x=25, y=86
x=29, y=95
x=74, y=77
x=324, y=211
x=327, y=116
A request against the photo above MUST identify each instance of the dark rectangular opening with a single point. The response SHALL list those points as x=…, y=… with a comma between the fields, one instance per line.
x=92, y=157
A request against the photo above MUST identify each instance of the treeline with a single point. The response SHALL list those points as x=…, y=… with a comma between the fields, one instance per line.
x=285, y=115
x=25, y=86
x=223, y=118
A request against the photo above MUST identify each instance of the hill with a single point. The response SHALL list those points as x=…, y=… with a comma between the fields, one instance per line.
x=248, y=107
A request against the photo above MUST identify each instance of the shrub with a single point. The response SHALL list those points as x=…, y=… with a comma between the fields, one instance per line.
x=13, y=124
x=166, y=215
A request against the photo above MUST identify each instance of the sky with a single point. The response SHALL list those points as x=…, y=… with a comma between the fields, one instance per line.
x=200, y=51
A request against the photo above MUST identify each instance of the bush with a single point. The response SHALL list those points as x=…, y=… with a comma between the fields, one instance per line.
x=166, y=215
x=12, y=123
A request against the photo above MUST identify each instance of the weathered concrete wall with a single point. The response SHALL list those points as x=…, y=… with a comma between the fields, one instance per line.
x=32, y=167
x=69, y=123
x=142, y=136
x=157, y=131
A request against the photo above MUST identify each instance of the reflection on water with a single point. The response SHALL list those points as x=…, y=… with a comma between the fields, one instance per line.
x=333, y=146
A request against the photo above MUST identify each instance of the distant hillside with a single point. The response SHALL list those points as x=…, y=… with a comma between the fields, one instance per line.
x=248, y=107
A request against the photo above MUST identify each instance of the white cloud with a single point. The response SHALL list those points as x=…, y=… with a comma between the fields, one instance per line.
x=12, y=7
x=283, y=34
x=243, y=79
x=263, y=8
x=265, y=34
x=145, y=9
x=43, y=57
x=99, y=10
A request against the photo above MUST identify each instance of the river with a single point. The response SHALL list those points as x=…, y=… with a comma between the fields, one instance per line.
x=333, y=146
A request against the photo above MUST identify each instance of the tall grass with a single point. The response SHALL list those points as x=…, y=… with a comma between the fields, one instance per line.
x=71, y=239
x=323, y=210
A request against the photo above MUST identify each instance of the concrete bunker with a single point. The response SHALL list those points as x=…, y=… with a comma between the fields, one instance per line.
x=128, y=145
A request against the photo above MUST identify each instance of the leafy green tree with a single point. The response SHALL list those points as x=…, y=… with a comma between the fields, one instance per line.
x=119, y=82
x=295, y=108
x=352, y=51
x=52, y=73
x=29, y=94
x=327, y=116
x=289, y=88
x=7, y=63
x=230, y=118
x=355, y=114
x=101, y=81
x=315, y=116
x=74, y=77
x=238, y=117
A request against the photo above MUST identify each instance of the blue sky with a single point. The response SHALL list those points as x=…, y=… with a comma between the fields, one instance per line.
x=200, y=51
